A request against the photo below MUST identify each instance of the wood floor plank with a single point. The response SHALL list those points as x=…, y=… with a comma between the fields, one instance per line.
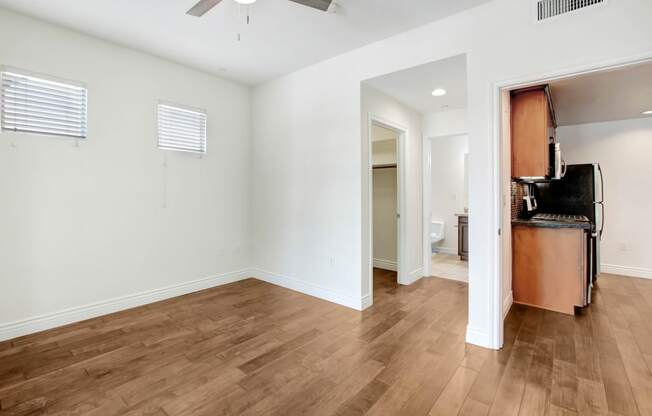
x=252, y=348
x=512, y=385
x=536, y=397
x=452, y=399
x=474, y=408
x=591, y=398
x=363, y=400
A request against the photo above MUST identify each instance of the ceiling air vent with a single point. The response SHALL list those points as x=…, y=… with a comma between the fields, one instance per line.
x=551, y=8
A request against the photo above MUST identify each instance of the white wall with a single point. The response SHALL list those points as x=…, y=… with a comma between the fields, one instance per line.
x=445, y=123
x=447, y=184
x=384, y=152
x=106, y=219
x=310, y=122
x=384, y=215
x=623, y=149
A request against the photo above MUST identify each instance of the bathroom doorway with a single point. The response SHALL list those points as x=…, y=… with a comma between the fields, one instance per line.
x=385, y=142
x=424, y=101
x=446, y=214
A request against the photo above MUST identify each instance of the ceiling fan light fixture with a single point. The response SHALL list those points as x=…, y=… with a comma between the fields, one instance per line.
x=245, y=2
x=438, y=92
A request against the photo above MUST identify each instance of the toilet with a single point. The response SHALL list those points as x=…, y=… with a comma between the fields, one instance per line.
x=436, y=232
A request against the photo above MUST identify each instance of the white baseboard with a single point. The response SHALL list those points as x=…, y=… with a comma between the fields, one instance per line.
x=626, y=271
x=457, y=279
x=478, y=338
x=446, y=250
x=367, y=301
x=385, y=264
x=309, y=289
x=507, y=303
x=413, y=276
x=81, y=313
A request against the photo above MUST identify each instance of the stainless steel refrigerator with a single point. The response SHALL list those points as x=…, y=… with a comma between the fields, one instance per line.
x=579, y=192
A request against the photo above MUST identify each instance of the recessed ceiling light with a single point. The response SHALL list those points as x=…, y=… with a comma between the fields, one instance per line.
x=245, y=1
x=648, y=112
x=438, y=92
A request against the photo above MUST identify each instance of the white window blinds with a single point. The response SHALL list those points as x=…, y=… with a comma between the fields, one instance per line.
x=181, y=129
x=35, y=105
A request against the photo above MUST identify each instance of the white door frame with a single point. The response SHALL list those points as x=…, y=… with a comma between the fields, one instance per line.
x=427, y=197
x=400, y=179
x=497, y=163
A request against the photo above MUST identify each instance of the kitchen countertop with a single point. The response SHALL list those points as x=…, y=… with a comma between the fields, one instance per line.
x=565, y=223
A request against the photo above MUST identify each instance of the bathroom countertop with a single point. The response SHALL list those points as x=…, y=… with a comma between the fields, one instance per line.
x=466, y=214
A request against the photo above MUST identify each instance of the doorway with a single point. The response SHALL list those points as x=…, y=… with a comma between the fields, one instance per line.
x=508, y=198
x=445, y=207
x=386, y=201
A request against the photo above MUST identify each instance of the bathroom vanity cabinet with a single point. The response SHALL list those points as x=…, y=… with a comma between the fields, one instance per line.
x=463, y=237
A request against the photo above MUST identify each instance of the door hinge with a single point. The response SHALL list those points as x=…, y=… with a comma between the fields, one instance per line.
x=500, y=232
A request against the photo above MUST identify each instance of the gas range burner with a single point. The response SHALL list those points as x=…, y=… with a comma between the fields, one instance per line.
x=560, y=218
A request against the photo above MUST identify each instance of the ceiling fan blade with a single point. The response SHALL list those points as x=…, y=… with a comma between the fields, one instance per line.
x=202, y=7
x=316, y=4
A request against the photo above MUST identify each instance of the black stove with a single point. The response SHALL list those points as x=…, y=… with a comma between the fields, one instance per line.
x=560, y=218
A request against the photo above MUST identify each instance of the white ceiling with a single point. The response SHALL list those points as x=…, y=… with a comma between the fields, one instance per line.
x=414, y=86
x=604, y=96
x=283, y=36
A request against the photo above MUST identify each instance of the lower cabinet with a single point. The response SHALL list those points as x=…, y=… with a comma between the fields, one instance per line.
x=463, y=237
x=549, y=267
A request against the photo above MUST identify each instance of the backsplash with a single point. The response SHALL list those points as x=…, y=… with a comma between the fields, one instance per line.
x=517, y=199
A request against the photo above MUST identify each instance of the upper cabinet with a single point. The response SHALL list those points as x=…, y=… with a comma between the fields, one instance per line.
x=532, y=130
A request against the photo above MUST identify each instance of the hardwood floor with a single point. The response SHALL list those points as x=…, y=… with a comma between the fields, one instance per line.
x=251, y=348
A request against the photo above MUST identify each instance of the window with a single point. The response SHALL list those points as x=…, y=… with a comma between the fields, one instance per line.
x=32, y=104
x=181, y=129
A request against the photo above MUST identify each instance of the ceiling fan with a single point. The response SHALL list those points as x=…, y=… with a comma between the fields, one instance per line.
x=203, y=6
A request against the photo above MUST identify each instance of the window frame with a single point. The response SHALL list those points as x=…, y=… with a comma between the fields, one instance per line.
x=47, y=78
x=182, y=107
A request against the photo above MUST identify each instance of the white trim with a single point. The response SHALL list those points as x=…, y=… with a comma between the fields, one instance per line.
x=446, y=136
x=628, y=271
x=310, y=289
x=456, y=279
x=80, y=313
x=367, y=301
x=507, y=303
x=48, y=77
x=400, y=173
x=473, y=336
x=426, y=193
x=496, y=338
x=446, y=250
x=412, y=277
x=385, y=264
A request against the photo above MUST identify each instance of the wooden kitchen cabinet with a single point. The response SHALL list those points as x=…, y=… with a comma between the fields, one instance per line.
x=532, y=130
x=549, y=267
